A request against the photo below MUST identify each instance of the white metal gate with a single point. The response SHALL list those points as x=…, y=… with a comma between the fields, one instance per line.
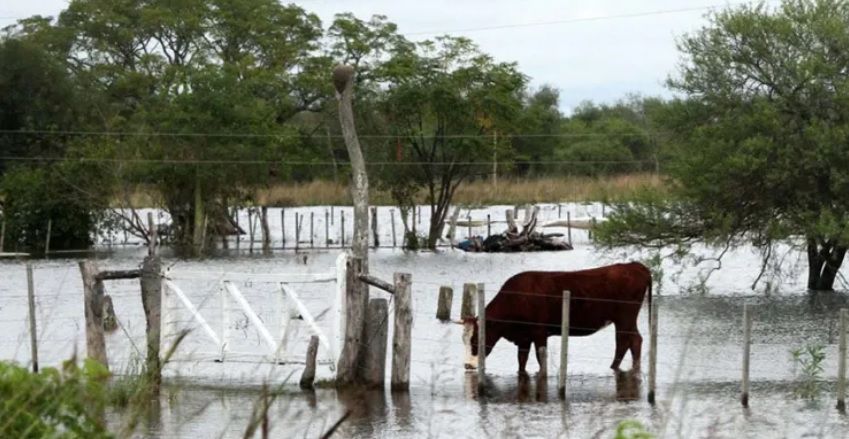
x=291, y=311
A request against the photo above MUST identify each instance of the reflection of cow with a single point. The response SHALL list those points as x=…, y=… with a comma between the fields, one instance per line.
x=528, y=308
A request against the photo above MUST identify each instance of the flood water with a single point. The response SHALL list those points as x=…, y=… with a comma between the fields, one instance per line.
x=699, y=350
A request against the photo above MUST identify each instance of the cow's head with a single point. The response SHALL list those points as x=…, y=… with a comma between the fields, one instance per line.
x=470, y=332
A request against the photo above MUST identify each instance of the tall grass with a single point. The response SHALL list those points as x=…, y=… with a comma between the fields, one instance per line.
x=478, y=192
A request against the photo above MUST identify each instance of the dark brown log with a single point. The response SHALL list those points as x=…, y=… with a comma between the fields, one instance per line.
x=118, y=274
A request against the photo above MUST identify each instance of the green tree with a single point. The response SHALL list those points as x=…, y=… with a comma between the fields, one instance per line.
x=444, y=98
x=765, y=138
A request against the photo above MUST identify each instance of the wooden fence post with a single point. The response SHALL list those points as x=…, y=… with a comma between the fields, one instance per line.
x=374, y=228
x=298, y=220
x=559, y=210
x=394, y=238
x=469, y=225
x=841, y=361
x=443, y=307
x=47, y=240
x=238, y=227
x=488, y=226
x=467, y=306
x=312, y=230
x=481, y=337
x=3, y=234
x=342, y=226
x=33, y=336
x=453, y=226
x=151, y=235
x=93, y=297
x=747, y=338
x=569, y=226
x=308, y=377
x=326, y=228
x=564, y=344
x=151, y=292
x=652, y=354
x=283, y=227
x=403, y=328
x=251, y=228
x=266, y=233
x=377, y=325
x=356, y=298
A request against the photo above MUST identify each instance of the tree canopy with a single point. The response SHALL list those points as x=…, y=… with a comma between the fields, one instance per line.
x=764, y=139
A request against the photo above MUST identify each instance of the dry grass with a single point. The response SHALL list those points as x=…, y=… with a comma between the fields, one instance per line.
x=480, y=192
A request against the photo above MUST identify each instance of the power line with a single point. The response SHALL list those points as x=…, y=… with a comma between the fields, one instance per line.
x=315, y=163
x=578, y=20
x=334, y=136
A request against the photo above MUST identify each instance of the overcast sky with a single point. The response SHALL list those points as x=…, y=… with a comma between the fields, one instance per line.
x=597, y=50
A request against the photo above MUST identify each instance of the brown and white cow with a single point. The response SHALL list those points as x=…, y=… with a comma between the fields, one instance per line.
x=528, y=309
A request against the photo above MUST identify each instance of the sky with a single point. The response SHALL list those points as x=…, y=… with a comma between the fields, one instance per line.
x=590, y=50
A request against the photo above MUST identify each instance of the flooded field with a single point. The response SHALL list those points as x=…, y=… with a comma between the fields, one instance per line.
x=699, y=359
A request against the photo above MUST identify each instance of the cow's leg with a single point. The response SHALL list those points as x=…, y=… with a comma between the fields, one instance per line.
x=541, y=345
x=524, y=351
x=636, y=349
x=622, y=345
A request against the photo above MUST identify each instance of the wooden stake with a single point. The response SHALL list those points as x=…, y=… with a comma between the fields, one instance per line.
x=312, y=230
x=469, y=232
x=559, y=210
x=488, y=226
x=569, y=226
x=47, y=240
x=266, y=232
x=403, y=328
x=481, y=337
x=356, y=298
x=342, y=226
x=93, y=297
x=467, y=306
x=652, y=355
x=33, y=336
x=394, y=238
x=3, y=234
x=326, y=229
x=841, y=361
x=747, y=340
x=151, y=292
x=251, y=223
x=238, y=227
x=564, y=344
x=377, y=325
x=308, y=377
x=443, y=307
x=374, y=228
x=283, y=226
x=298, y=217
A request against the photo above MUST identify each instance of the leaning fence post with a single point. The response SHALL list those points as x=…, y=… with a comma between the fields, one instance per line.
x=841, y=361
x=403, y=328
x=151, y=292
x=375, y=343
x=747, y=335
x=33, y=336
x=481, y=336
x=443, y=307
x=652, y=354
x=93, y=297
x=564, y=344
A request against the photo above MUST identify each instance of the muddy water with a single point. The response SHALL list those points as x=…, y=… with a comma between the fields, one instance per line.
x=699, y=365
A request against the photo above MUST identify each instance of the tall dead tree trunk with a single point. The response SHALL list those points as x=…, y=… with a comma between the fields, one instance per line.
x=343, y=80
x=824, y=261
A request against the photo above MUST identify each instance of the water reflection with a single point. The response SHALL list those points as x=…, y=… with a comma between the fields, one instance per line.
x=628, y=385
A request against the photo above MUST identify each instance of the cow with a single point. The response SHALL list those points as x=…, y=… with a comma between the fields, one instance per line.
x=529, y=308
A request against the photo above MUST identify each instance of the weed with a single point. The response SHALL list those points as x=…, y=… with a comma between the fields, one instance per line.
x=808, y=362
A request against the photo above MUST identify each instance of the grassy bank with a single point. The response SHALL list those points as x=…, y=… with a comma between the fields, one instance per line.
x=508, y=191
x=479, y=192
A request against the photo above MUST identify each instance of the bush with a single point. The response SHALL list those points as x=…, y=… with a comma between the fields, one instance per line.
x=66, y=403
x=32, y=197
